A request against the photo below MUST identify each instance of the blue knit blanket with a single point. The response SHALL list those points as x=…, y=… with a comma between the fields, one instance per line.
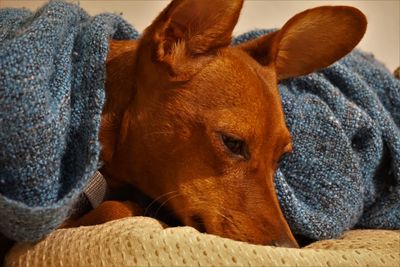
x=52, y=73
x=344, y=171
x=345, y=168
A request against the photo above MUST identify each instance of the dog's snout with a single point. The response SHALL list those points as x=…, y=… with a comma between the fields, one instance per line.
x=198, y=223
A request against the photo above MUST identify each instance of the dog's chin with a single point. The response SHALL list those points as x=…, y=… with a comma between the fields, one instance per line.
x=250, y=236
x=255, y=237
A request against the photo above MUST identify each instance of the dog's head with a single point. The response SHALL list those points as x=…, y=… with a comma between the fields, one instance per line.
x=204, y=131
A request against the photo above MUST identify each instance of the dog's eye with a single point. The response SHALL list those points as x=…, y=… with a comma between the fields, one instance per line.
x=236, y=146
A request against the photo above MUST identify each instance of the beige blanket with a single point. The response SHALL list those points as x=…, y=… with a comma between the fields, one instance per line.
x=140, y=241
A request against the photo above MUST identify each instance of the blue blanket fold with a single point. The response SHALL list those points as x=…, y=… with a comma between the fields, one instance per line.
x=345, y=169
x=344, y=120
x=52, y=72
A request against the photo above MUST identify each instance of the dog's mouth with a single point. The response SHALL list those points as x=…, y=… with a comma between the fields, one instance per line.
x=152, y=208
x=198, y=223
x=169, y=217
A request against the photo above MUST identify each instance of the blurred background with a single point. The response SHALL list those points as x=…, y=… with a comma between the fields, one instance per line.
x=382, y=37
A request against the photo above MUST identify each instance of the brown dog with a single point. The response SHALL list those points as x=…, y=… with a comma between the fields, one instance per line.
x=198, y=124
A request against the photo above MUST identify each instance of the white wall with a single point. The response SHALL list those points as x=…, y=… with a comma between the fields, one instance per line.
x=382, y=37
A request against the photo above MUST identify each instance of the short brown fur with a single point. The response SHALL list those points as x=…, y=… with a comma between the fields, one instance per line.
x=173, y=93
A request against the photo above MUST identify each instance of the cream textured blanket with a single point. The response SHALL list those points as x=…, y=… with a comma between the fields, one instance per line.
x=141, y=241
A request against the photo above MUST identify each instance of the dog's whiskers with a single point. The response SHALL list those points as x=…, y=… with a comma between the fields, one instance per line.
x=157, y=199
x=225, y=217
x=165, y=202
x=232, y=223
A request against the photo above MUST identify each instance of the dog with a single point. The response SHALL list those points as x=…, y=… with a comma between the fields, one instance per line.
x=197, y=124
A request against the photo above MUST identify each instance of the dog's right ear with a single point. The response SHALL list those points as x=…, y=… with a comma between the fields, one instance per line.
x=189, y=29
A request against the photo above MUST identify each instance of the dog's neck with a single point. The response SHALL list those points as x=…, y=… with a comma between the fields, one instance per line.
x=120, y=90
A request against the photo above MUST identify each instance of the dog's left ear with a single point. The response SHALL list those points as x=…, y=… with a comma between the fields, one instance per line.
x=311, y=40
x=189, y=29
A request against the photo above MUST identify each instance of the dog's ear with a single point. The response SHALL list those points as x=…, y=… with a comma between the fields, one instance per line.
x=310, y=40
x=187, y=29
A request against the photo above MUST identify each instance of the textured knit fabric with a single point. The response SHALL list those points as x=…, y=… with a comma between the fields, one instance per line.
x=345, y=167
x=142, y=241
x=52, y=72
